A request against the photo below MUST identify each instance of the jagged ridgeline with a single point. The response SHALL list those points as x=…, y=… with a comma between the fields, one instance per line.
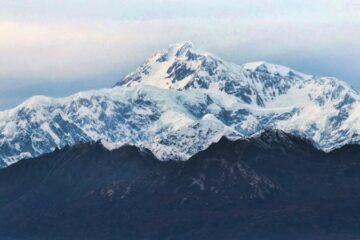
x=180, y=101
x=271, y=187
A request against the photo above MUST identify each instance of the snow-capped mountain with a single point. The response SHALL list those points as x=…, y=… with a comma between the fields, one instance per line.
x=180, y=101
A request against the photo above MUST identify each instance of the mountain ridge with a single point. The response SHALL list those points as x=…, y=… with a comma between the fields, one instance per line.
x=180, y=101
x=274, y=186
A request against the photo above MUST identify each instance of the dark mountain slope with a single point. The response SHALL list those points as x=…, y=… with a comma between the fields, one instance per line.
x=274, y=186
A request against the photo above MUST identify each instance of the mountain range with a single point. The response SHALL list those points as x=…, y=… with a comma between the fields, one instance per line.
x=274, y=186
x=188, y=146
x=179, y=102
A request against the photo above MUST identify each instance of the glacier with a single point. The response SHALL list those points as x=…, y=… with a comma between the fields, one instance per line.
x=180, y=101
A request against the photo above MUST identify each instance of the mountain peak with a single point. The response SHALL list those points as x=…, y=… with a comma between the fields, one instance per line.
x=180, y=48
x=266, y=66
x=174, y=67
x=176, y=50
x=274, y=69
x=181, y=66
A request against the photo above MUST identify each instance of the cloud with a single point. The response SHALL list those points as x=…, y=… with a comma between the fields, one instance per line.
x=64, y=50
x=89, y=48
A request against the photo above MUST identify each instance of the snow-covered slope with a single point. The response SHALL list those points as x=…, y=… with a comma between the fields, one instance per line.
x=179, y=102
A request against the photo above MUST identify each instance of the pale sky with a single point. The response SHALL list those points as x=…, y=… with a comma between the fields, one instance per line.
x=58, y=47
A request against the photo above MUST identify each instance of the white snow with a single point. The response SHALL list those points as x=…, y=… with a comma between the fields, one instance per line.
x=45, y=126
x=176, y=118
x=274, y=69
